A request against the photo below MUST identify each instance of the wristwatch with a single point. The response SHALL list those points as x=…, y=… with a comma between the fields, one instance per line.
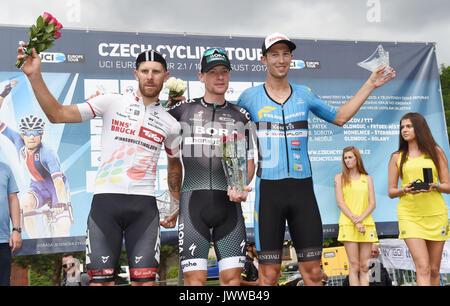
x=17, y=229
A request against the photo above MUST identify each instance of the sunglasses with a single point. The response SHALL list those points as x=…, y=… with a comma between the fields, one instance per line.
x=214, y=50
x=69, y=265
x=34, y=133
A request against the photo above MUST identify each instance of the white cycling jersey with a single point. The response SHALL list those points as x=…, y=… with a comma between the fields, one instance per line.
x=132, y=137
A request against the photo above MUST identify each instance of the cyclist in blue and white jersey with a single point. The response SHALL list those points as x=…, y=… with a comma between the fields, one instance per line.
x=48, y=184
x=135, y=129
x=284, y=189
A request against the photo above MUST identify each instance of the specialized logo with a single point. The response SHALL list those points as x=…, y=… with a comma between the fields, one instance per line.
x=242, y=245
x=266, y=109
x=151, y=135
x=192, y=249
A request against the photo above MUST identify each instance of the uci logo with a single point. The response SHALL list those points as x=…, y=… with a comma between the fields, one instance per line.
x=51, y=57
x=297, y=64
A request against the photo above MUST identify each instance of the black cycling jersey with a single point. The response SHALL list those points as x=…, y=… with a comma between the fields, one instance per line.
x=203, y=126
x=206, y=213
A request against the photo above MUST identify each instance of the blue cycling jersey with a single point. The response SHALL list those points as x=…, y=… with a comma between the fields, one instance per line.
x=282, y=130
x=43, y=165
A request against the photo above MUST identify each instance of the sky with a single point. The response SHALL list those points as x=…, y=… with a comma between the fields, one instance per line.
x=368, y=20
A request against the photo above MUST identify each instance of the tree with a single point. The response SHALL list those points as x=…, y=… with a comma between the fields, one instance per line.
x=445, y=86
x=46, y=265
x=166, y=252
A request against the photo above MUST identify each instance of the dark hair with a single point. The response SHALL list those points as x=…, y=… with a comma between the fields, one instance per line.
x=424, y=138
x=359, y=164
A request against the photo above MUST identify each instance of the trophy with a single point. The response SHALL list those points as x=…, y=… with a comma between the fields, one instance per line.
x=234, y=161
x=379, y=58
x=167, y=205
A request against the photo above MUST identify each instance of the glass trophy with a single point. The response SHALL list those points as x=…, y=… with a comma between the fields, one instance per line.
x=379, y=58
x=167, y=205
x=234, y=160
x=73, y=274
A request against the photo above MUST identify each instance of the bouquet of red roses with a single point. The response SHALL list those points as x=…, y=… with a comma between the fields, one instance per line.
x=42, y=35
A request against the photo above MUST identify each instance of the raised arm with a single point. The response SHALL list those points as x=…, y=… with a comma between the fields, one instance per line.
x=54, y=111
x=6, y=90
x=351, y=107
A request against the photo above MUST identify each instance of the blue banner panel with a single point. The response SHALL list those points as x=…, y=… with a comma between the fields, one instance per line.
x=84, y=62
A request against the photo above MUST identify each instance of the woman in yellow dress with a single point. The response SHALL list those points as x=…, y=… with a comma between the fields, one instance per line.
x=355, y=197
x=422, y=214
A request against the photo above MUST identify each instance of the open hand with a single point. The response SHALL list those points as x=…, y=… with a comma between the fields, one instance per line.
x=381, y=76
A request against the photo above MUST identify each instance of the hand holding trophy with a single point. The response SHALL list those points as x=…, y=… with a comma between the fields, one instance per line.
x=234, y=161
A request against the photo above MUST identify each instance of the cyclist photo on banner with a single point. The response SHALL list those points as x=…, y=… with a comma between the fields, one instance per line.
x=46, y=210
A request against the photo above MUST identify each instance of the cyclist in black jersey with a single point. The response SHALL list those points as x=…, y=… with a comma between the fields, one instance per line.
x=207, y=213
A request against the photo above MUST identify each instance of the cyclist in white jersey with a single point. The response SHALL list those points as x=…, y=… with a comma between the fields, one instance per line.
x=135, y=127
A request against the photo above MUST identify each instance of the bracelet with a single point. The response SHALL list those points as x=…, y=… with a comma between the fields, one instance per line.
x=403, y=189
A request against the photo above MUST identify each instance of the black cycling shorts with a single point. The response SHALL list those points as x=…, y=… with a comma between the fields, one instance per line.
x=291, y=200
x=117, y=216
x=205, y=216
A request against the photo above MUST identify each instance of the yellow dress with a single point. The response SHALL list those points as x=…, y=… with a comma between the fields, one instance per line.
x=356, y=197
x=422, y=215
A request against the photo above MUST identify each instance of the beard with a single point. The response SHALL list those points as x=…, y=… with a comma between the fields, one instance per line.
x=150, y=92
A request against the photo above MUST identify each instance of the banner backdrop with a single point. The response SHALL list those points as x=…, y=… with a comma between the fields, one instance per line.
x=84, y=62
x=395, y=255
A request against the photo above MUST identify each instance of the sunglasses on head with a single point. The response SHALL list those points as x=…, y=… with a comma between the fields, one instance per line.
x=214, y=50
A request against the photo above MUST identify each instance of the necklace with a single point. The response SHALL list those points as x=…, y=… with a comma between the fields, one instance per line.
x=279, y=98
